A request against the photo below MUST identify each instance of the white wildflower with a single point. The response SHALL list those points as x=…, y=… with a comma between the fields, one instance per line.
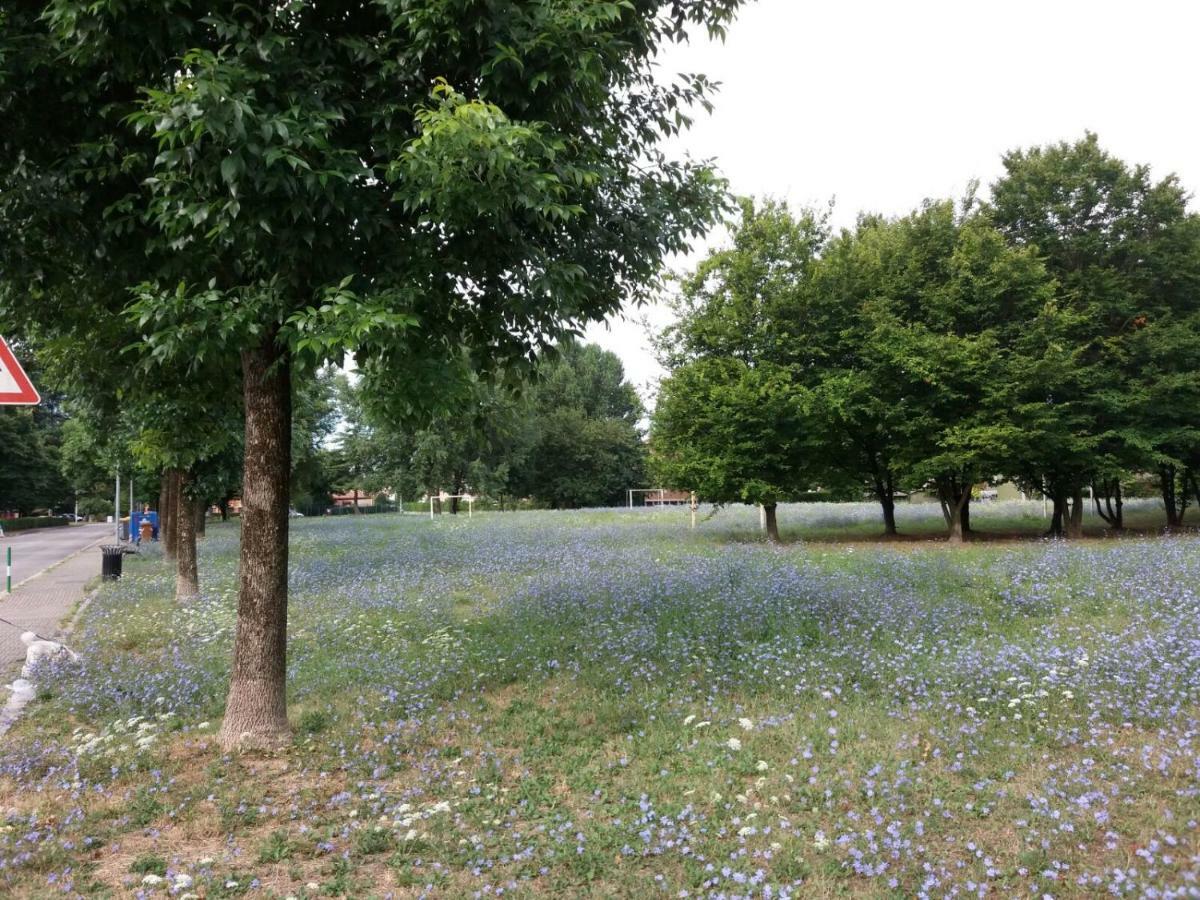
x=734, y=744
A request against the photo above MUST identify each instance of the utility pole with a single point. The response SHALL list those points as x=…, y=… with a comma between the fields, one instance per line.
x=117, y=508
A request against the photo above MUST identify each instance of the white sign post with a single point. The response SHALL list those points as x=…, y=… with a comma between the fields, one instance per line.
x=15, y=387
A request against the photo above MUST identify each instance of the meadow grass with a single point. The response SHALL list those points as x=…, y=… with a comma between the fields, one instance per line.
x=606, y=703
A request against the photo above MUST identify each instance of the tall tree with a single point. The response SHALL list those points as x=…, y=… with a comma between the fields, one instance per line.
x=740, y=348
x=582, y=438
x=732, y=432
x=937, y=318
x=368, y=179
x=853, y=402
x=1123, y=249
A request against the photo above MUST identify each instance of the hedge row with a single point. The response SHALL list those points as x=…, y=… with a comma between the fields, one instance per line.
x=25, y=523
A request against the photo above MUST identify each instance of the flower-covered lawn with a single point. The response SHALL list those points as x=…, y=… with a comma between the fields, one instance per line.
x=605, y=703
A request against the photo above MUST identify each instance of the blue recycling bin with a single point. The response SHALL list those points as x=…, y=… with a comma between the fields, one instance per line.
x=136, y=524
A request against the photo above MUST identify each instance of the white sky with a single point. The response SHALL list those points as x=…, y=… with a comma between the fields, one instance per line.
x=880, y=105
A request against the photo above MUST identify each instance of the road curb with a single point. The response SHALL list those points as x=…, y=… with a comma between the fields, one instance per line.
x=12, y=710
x=57, y=563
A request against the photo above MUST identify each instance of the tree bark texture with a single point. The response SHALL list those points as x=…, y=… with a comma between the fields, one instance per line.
x=772, y=523
x=885, y=493
x=1113, y=511
x=889, y=517
x=187, y=577
x=1058, y=516
x=164, y=500
x=256, y=711
x=954, y=494
x=1075, y=528
x=1174, y=500
x=169, y=526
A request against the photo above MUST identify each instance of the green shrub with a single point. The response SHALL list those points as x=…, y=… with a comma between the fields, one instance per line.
x=27, y=523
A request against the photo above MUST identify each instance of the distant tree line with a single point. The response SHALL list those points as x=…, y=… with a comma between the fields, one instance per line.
x=567, y=437
x=1048, y=334
x=31, y=449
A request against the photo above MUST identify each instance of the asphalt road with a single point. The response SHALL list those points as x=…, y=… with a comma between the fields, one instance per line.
x=36, y=550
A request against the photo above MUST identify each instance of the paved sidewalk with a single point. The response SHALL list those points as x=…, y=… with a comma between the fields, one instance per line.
x=42, y=603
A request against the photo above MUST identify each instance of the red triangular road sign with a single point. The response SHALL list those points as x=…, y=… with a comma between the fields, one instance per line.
x=15, y=387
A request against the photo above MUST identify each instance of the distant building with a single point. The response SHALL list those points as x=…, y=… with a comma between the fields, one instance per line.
x=351, y=499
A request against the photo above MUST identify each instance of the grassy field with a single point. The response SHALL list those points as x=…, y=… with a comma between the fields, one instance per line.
x=605, y=703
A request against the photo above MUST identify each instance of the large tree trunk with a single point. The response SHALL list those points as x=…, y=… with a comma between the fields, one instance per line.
x=772, y=523
x=256, y=711
x=885, y=493
x=1075, y=530
x=187, y=578
x=1113, y=511
x=889, y=516
x=1059, y=515
x=224, y=506
x=954, y=495
x=1166, y=481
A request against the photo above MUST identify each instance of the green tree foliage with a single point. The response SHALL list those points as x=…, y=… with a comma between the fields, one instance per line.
x=583, y=439
x=31, y=447
x=29, y=476
x=1117, y=371
x=932, y=312
x=731, y=431
x=1050, y=336
x=315, y=413
x=307, y=180
x=728, y=421
x=567, y=437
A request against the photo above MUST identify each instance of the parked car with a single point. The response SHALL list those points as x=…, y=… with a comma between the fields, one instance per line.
x=71, y=517
x=295, y=514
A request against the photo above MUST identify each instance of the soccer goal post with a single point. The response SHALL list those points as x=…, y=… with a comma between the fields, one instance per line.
x=441, y=499
x=658, y=496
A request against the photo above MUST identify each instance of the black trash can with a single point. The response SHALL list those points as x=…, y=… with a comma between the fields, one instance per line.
x=110, y=562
